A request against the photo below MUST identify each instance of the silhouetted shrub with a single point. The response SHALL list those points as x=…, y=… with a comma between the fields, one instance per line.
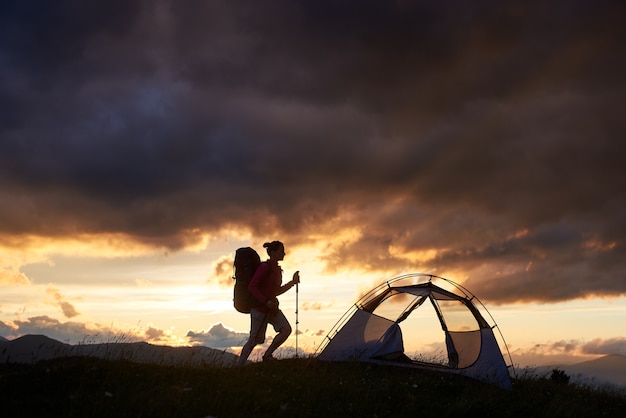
x=559, y=376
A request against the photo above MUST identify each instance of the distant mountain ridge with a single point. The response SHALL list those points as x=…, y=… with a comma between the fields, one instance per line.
x=610, y=368
x=33, y=348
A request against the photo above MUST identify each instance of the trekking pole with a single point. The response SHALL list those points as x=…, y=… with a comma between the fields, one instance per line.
x=297, y=322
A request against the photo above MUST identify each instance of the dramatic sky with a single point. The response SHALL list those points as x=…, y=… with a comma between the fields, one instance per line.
x=142, y=142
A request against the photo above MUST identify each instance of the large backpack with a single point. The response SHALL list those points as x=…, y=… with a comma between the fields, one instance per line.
x=247, y=260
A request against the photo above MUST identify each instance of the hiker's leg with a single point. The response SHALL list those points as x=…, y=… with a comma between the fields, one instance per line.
x=246, y=350
x=281, y=325
x=258, y=326
x=278, y=340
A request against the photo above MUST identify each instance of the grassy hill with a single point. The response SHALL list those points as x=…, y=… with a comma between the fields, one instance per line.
x=90, y=387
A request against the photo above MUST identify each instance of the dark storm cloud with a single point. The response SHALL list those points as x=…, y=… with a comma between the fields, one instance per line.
x=488, y=131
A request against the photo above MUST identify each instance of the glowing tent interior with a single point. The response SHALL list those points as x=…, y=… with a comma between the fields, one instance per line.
x=372, y=329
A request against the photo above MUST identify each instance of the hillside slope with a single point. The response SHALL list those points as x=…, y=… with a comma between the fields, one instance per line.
x=611, y=368
x=34, y=348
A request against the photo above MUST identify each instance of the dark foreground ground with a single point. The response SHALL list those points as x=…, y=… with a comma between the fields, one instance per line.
x=86, y=387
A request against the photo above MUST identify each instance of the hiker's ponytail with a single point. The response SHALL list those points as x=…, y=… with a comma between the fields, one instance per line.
x=273, y=246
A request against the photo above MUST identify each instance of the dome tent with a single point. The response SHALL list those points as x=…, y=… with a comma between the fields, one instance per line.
x=372, y=329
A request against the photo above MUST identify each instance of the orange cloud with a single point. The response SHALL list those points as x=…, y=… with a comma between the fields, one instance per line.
x=222, y=271
x=67, y=308
x=9, y=276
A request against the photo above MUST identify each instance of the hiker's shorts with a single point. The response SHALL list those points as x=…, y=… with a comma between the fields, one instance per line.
x=259, y=321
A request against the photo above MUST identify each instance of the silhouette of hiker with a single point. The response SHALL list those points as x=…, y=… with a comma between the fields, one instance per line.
x=265, y=286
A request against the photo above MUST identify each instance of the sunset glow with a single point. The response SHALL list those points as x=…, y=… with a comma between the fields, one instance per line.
x=142, y=143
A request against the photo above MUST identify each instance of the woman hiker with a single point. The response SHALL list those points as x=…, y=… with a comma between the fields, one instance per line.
x=265, y=286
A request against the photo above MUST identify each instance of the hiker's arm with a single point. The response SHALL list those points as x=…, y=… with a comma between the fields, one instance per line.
x=289, y=285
